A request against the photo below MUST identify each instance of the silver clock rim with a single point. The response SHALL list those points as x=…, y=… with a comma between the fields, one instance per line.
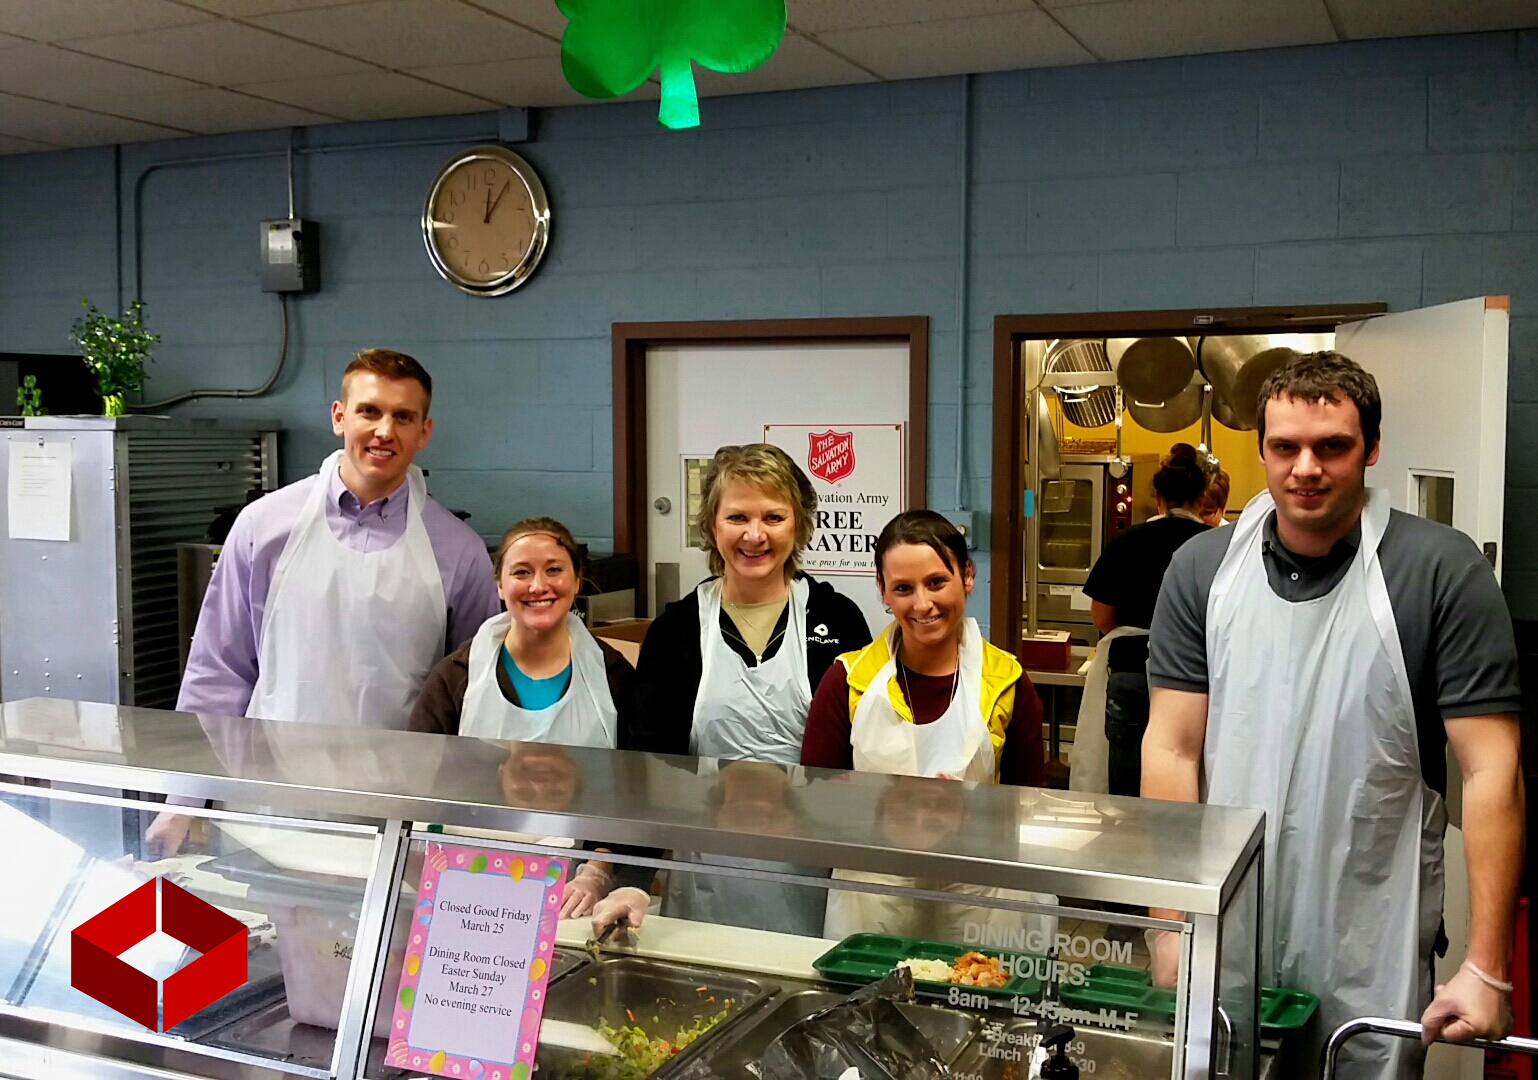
x=538, y=242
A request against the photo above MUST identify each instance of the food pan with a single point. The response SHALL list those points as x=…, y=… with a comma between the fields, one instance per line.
x=659, y=997
x=565, y=961
x=729, y=1056
x=272, y=1032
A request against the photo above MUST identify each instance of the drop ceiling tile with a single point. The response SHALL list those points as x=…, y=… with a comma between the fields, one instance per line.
x=412, y=33
x=222, y=53
x=1406, y=18
x=815, y=16
x=952, y=46
x=1137, y=29
x=11, y=145
x=374, y=95
x=58, y=20
x=61, y=125
x=530, y=83
x=43, y=71
x=538, y=15
x=798, y=63
x=211, y=111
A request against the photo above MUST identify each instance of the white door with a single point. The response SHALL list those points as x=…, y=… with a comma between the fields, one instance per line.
x=1442, y=373
x=700, y=397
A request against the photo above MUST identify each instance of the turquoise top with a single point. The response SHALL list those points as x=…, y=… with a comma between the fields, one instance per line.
x=535, y=694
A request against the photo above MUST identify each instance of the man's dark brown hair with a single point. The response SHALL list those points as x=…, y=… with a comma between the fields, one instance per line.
x=389, y=365
x=1324, y=376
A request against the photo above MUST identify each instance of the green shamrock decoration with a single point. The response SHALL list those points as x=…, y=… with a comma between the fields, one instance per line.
x=612, y=46
x=29, y=396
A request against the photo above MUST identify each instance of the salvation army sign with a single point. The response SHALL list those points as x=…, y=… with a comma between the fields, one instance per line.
x=858, y=472
x=831, y=456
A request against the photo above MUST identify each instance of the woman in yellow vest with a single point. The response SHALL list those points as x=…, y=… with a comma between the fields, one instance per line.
x=929, y=697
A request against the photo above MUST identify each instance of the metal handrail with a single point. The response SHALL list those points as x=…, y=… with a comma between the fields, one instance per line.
x=1407, y=1029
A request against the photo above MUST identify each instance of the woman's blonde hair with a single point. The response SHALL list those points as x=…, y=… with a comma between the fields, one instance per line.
x=541, y=526
x=766, y=467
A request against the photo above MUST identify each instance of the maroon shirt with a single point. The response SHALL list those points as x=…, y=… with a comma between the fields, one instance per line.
x=827, y=744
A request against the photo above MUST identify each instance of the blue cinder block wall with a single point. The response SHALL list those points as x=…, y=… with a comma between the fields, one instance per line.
x=1404, y=171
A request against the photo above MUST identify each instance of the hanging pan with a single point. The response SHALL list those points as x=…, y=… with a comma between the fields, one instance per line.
x=1237, y=365
x=1151, y=370
x=1176, y=414
x=1084, y=406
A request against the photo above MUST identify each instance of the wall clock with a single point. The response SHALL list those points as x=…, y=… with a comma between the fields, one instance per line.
x=486, y=221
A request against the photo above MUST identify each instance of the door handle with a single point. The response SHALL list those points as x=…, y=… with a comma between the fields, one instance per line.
x=662, y=504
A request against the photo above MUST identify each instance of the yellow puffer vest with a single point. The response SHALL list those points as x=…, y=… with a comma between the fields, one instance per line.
x=1001, y=673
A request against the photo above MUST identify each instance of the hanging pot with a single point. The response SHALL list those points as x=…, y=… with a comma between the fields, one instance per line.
x=1151, y=370
x=1049, y=459
x=1176, y=414
x=1237, y=365
x=1084, y=406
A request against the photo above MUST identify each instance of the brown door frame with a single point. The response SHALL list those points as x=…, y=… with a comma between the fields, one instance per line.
x=632, y=340
x=1007, y=585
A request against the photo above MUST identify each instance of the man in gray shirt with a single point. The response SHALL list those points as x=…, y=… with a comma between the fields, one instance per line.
x=1311, y=661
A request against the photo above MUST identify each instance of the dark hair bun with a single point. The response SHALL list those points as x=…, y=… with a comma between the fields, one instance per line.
x=1182, y=477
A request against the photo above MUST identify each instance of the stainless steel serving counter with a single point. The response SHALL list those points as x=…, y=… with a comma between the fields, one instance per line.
x=346, y=800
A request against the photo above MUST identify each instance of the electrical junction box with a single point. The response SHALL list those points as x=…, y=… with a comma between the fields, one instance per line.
x=290, y=256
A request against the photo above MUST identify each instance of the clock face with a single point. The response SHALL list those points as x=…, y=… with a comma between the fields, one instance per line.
x=486, y=222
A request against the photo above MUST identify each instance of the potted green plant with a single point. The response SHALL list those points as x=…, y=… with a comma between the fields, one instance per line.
x=115, y=350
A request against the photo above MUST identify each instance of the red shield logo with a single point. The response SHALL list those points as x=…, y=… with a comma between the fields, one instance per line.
x=831, y=456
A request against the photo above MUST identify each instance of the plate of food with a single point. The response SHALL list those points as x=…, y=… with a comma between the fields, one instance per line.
x=936, y=965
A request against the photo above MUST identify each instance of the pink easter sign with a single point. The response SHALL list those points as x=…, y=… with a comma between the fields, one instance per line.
x=478, y=954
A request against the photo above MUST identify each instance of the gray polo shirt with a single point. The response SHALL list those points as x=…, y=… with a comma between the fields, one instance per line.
x=1452, y=619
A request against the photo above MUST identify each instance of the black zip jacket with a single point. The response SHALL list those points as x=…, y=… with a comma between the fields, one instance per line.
x=668, y=675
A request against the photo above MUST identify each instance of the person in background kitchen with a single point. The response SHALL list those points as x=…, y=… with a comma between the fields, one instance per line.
x=333, y=597
x=1215, y=503
x=928, y=698
x=1122, y=587
x=727, y=672
x=1314, y=661
x=533, y=673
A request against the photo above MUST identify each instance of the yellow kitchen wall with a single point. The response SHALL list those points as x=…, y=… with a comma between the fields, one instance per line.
x=1236, y=450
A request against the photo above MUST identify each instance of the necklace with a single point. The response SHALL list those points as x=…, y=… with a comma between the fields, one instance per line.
x=902, y=681
x=765, y=620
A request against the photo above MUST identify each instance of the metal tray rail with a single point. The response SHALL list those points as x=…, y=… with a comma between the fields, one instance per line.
x=1329, y=1057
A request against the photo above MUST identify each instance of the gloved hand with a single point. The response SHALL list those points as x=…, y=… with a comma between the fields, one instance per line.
x=1467, y=1007
x=629, y=903
x=166, y=834
x=590, y=885
x=1164, y=950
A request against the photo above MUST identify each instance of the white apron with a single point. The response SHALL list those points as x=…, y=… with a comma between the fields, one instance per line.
x=1090, y=762
x=751, y=714
x=350, y=636
x=584, y=716
x=958, y=744
x=1310, y=718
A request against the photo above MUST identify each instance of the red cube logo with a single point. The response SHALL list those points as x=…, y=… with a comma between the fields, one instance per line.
x=97, y=944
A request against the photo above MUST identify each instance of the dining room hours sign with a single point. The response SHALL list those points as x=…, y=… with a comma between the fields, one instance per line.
x=857, y=471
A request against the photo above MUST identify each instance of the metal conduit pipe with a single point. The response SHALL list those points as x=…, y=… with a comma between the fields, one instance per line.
x=288, y=153
x=964, y=168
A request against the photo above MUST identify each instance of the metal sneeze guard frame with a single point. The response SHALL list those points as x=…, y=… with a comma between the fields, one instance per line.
x=1162, y=855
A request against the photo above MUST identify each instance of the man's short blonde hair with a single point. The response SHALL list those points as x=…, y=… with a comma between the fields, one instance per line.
x=763, y=466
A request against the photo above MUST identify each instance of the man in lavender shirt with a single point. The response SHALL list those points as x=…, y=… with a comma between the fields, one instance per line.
x=334, y=596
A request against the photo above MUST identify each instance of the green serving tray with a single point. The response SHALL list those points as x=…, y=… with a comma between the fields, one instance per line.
x=1111, y=986
x=864, y=958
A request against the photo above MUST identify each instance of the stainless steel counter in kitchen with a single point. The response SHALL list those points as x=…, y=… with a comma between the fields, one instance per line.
x=343, y=802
